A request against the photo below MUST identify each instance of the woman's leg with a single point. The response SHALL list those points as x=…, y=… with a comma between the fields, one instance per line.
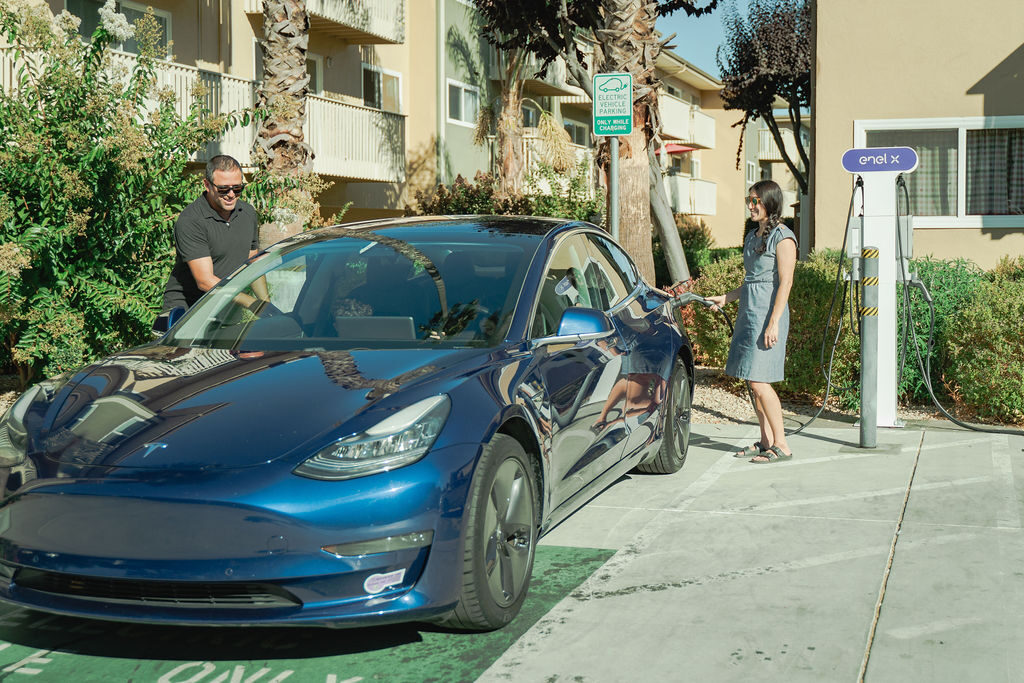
x=762, y=418
x=769, y=403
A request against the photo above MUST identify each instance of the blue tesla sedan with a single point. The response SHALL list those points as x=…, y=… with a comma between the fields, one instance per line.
x=365, y=424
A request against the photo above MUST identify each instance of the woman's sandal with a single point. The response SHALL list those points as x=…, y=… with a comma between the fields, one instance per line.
x=755, y=448
x=773, y=454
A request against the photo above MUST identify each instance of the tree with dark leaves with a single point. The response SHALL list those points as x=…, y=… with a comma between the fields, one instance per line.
x=624, y=40
x=765, y=58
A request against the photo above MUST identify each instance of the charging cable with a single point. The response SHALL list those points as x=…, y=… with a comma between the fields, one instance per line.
x=925, y=364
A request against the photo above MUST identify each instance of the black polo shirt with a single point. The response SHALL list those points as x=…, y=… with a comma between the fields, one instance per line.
x=201, y=231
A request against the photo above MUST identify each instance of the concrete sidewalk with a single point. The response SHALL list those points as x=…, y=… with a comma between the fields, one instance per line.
x=904, y=563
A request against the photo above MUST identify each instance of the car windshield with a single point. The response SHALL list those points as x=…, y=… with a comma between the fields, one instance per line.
x=362, y=291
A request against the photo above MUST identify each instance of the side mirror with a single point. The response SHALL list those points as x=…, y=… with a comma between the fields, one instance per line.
x=165, y=321
x=579, y=324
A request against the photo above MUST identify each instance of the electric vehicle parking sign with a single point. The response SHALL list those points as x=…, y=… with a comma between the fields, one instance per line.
x=870, y=159
x=613, y=104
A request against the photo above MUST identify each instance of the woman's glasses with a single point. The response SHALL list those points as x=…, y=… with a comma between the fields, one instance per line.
x=753, y=201
x=224, y=190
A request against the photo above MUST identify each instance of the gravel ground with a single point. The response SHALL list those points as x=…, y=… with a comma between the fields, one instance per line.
x=712, y=403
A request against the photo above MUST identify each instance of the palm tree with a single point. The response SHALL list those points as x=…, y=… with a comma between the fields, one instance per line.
x=280, y=146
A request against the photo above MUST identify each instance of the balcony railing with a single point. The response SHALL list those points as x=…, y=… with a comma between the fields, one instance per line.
x=675, y=118
x=768, y=149
x=349, y=141
x=363, y=22
x=702, y=130
x=691, y=195
x=533, y=157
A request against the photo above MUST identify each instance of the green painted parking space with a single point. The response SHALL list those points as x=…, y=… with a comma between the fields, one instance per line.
x=51, y=648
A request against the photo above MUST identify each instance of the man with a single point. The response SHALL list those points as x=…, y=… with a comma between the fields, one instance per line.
x=213, y=236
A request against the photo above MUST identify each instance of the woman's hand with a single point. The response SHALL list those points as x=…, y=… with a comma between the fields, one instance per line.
x=717, y=301
x=771, y=334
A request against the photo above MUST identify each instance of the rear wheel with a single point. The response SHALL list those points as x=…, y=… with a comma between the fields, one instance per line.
x=676, y=440
x=501, y=536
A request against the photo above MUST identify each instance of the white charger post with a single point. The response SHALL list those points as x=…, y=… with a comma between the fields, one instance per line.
x=879, y=167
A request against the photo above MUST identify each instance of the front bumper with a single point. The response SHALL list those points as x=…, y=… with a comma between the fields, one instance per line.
x=222, y=548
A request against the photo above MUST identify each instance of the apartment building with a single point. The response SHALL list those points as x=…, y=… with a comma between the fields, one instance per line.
x=395, y=90
x=941, y=78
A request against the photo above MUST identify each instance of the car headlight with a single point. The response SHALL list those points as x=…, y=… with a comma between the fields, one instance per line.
x=396, y=441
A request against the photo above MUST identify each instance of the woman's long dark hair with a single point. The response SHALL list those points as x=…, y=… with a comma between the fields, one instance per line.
x=770, y=194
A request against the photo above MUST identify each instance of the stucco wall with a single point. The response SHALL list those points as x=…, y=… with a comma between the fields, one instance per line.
x=719, y=165
x=878, y=59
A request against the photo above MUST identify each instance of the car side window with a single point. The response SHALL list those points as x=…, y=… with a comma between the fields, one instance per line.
x=612, y=270
x=564, y=285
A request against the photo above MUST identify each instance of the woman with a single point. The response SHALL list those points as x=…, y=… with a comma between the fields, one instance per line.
x=758, y=350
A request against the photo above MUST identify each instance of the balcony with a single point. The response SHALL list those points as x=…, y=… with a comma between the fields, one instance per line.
x=686, y=123
x=694, y=196
x=361, y=22
x=768, y=149
x=533, y=156
x=555, y=80
x=350, y=142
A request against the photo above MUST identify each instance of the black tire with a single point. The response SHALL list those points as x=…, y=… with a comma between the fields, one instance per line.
x=676, y=441
x=501, y=536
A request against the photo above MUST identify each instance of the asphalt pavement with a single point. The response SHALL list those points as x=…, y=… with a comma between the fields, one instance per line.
x=900, y=563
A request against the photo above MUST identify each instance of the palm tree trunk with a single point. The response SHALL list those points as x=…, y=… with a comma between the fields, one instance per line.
x=280, y=145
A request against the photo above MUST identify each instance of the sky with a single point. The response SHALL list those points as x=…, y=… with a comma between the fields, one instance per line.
x=697, y=38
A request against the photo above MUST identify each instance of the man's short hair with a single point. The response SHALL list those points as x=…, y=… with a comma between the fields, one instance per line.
x=221, y=162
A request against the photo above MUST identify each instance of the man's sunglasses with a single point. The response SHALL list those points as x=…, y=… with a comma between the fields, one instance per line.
x=223, y=190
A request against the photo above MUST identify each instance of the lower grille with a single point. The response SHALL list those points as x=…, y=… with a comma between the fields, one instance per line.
x=195, y=595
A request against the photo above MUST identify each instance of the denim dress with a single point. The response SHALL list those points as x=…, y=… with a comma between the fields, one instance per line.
x=749, y=358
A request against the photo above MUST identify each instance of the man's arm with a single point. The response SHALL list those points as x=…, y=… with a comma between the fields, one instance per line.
x=202, y=270
x=259, y=285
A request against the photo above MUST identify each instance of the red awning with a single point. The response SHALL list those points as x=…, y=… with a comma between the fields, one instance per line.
x=674, y=148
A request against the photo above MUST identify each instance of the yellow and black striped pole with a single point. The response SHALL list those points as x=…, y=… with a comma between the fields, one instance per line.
x=869, y=348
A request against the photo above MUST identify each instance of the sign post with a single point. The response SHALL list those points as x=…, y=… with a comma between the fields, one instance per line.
x=613, y=115
x=879, y=167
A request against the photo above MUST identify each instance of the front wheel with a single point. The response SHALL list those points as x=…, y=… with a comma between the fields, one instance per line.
x=676, y=440
x=501, y=536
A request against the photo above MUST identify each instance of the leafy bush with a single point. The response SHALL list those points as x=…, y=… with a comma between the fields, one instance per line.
x=984, y=345
x=92, y=176
x=568, y=197
x=952, y=283
x=719, y=253
x=1009, y=268
x=813, y=284
x=695, y=236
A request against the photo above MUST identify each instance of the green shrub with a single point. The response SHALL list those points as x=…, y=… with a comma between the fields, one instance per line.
x=568, y=198
x=952, y=283
x=809, y=299
x=719, y=253
x=1009, y=268
x=984, y=343
x=92, y=176
x=695, y=236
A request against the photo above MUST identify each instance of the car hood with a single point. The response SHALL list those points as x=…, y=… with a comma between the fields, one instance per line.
x=163, y=407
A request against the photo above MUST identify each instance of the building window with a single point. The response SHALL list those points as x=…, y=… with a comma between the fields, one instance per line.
x=88, y=12
x=932, y=186
x=463, y=103
x=531, y=115
x=382, y=88
x=970, y=171
x=579, y=132
x=751, y=173
x=995, y=172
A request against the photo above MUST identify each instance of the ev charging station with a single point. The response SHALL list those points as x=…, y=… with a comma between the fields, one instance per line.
x=879, y=238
